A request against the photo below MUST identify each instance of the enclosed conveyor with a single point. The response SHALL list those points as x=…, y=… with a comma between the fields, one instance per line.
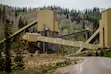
x=34, y=37
x=20, y=30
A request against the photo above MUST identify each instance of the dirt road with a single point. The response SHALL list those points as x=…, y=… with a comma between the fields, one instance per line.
x=91, y=65
x=95, y=65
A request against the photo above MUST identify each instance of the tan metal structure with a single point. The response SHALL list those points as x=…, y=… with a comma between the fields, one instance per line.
x=42, y=21
x=46, y=18
x=89, y=40
x=34, y=37
x=20, y=30
x=104, y=31
x=47, y=26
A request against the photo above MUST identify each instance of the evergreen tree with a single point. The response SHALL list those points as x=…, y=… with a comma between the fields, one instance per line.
x=0, y=15
x=101, y=53
x=97, y=53
x=67, y=16
x=15, y=9
x=20, y=24
x=95, y=25
x=18, y=62
x=86, y=12
x=3, y=15
x=24, y=9
x=83, y=25
x=7, y=47
x=27, y=30
x=2, y=59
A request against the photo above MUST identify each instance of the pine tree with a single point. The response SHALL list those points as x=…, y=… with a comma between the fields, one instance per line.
x=97, y=54
x=27, y=30
x=67, y=16
x=18, y=62
x=101, y=53
x=15, y=9
x=83, y=25
x=0, y=15
x=3, y=15
x=2, y=59
x=7, y=47
x=20, y=24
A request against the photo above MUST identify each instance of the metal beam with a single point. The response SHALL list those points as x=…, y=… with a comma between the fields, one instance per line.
x=90, y=39
x=20, y=30
x=34, y=37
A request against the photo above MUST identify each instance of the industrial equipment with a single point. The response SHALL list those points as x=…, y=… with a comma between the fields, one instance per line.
x=47, y=37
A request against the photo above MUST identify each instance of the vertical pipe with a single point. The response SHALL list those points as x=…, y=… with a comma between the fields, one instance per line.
x=103, y=38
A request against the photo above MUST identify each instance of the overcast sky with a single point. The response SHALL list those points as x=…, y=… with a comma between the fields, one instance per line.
x=71, y=4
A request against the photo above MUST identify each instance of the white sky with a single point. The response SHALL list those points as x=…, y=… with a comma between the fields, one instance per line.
x=71, y=4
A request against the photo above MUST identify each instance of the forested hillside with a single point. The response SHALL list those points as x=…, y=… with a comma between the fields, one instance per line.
x=69, y=20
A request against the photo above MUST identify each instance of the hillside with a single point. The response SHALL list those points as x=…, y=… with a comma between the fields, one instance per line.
x=69, y=20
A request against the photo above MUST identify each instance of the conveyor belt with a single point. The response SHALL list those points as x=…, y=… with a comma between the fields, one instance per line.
x=20, y=30
x=90, y=39
x=34, y=37
x=75, y=33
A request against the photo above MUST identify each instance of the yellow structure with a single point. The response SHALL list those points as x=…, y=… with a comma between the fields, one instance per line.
x=34, y=37
x=47, y=26
x=105, y=29
x=46, y=21
x=55, y=26
x=91, y=38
